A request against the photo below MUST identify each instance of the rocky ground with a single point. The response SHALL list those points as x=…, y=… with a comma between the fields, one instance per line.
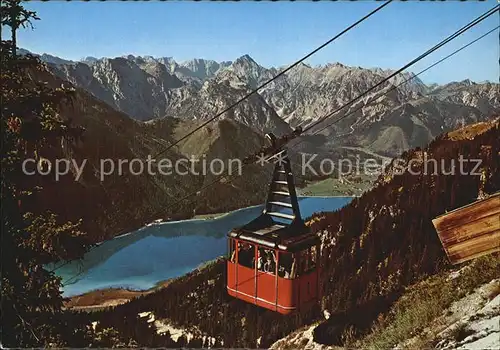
x=472, y=322
x=164, y=325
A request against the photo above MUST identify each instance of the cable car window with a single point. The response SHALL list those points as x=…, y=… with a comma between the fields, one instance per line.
x=266, y=261
x=232, y=251
x=246, y=254
x=287, y=265
x=313, y=257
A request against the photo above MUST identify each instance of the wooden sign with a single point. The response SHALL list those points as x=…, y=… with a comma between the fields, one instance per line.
x=470, y=231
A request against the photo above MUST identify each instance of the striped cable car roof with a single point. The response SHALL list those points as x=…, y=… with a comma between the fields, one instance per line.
x=280, y=224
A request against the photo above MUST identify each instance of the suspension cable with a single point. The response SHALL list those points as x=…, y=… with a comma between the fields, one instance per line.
x=275, y=77
x=436, y=47
x=411, y=63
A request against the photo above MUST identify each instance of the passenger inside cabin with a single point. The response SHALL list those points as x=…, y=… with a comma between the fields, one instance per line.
x=266, y=260
x=260, y=260
x=270, y=264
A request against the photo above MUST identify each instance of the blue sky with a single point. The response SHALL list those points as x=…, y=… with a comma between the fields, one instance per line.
x=273, y=33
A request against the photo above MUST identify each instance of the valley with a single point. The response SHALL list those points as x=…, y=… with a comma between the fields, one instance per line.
x=153, y=197
x=232, y=136
x=111, y=296
x=410, y=116
x=359, y=240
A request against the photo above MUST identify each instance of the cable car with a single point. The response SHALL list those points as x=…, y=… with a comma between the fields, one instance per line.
x=273, y=260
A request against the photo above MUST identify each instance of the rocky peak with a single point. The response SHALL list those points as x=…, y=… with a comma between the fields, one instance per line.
x=147, y=87
x=245, y=58
x=89, y=60
x=45, y=57
x=336, y=65
x=467, y=82
x=246, y=63
x=54, y=60
x=201, y=68
x=129, y=57
x=250, y=71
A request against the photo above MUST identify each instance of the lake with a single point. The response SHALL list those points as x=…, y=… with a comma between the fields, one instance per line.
x=140, y=259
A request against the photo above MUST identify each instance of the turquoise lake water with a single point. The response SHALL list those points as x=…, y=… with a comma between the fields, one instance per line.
x=142, y=258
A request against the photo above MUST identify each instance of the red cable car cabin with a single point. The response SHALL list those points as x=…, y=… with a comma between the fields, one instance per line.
x=273, y=260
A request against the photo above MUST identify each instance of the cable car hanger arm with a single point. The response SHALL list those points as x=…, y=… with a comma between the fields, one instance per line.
x=275, y=147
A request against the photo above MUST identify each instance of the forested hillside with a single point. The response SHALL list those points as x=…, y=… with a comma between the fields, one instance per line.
x=113, y=198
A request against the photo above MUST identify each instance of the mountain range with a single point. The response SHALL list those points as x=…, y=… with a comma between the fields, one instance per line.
x=123, y=200
x=387, y=121
x=373, y=250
